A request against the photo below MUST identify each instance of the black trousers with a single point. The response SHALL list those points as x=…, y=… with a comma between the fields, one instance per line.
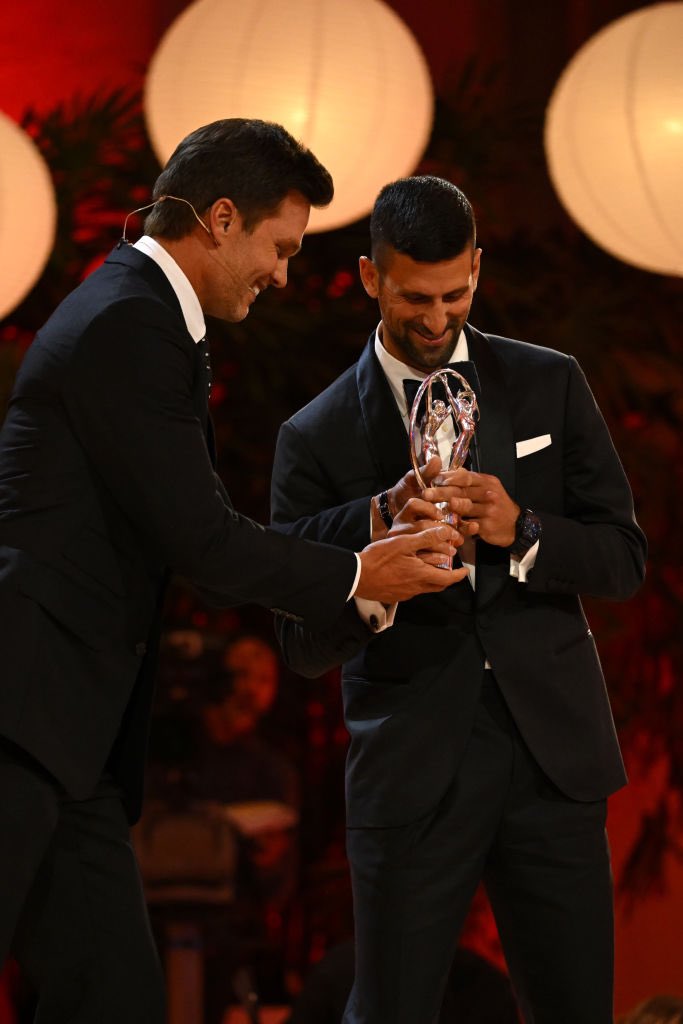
x=71, y=904
x=544, y=860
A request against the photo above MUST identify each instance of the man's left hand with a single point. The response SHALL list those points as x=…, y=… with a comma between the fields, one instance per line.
x=492, y=507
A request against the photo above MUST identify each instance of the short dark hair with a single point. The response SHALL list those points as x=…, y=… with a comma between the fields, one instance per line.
x=254, y=163
x=426, y=218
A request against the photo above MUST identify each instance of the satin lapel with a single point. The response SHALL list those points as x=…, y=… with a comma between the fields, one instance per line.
x=496, y=451
x=386, y=434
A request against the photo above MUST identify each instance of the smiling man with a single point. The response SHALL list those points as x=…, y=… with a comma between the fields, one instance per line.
x=482, y=743
x=107, y=486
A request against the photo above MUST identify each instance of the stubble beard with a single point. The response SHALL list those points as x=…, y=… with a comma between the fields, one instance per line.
x=421, y=358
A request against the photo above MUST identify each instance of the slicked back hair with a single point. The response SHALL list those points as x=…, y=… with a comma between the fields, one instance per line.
x=253, y=163
x=426, y=218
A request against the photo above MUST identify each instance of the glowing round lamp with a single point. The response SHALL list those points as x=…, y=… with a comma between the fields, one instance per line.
x=28, y=215
x=614, y=138
x=346, y=77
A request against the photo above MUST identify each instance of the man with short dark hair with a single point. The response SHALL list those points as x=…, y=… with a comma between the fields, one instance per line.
x=107, y=486
x=482, y=743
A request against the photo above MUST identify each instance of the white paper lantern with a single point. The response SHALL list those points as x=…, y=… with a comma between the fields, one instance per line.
x=28, y=214
x=346, y=77
x=614, y=138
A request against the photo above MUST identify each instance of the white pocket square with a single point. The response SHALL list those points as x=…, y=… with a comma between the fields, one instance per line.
x=532, y=444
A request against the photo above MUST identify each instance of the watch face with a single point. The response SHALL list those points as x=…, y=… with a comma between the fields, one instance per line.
x=527, y=532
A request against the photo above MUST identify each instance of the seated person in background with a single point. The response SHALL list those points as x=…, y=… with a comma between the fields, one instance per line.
x=214, y=765
x=235, y=766
x=208, y=754
x=658, y=1010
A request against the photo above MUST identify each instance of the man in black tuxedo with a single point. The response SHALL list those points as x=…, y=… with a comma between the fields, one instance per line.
x=106, y=486
x=482, y=742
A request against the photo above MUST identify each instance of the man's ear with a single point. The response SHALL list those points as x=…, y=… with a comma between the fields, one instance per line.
x=369, y=275
x=221, y=215
x=476, y=264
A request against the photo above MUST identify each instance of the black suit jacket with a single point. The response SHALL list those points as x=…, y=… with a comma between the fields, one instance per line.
x=107, y=485
x=409, y=694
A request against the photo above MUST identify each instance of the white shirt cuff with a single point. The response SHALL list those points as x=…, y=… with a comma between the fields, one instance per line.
x=375, y=615
x=355, y=582
x=519, y=567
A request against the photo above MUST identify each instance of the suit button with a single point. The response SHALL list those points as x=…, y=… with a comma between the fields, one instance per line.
x=140, y=649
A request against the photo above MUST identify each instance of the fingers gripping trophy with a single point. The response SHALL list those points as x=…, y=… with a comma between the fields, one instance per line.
x=461, y=407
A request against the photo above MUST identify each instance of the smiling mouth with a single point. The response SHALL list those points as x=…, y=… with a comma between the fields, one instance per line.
x=430, y=338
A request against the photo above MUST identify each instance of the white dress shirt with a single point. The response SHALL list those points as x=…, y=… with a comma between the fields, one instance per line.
x=185, y=293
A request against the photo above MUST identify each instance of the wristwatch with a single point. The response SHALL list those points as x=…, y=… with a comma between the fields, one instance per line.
x=528, y=529
x=383, y=506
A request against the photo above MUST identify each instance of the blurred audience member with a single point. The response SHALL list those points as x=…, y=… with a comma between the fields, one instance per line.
x=237, y=767
x=208, y=754
x=214, y=763
x=658, y=1010
x=234, y=763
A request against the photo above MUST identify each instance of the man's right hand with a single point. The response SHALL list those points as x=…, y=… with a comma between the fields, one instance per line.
x=399, y=567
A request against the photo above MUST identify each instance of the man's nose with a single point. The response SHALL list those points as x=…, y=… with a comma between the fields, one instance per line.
x=280, y=274
x=436, y=321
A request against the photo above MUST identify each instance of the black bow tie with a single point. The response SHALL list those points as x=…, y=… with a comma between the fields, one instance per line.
x=205, y=363
x=466, y=369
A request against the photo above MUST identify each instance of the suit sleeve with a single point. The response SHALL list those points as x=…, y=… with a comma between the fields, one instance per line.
x=304, y=501
x=311, y=652
x=596, y=548
x=128, y=397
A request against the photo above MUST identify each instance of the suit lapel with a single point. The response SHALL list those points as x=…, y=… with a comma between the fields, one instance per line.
x=386, y=434
x=152, y=273
x=496, y=451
